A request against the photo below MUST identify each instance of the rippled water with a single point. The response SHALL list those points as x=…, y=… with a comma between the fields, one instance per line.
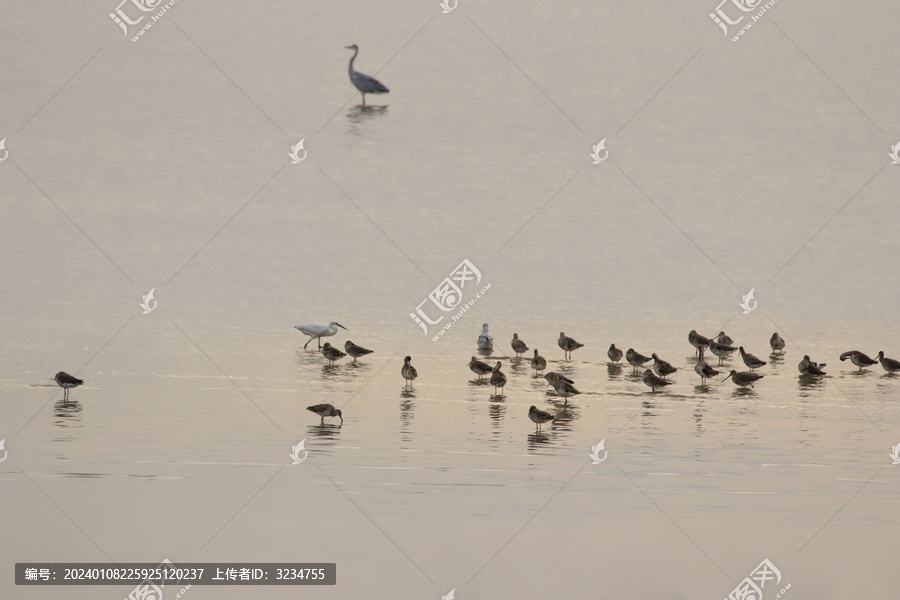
x=163, y=164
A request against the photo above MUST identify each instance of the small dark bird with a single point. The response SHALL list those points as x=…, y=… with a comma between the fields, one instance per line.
x=518, y=345
x=326, y=410
x=777, y=343
x=408, y=371
x=614, y=353
x=539, y=417
x=744, y=378
x=697, y=340
x=808, y=367
x=635, y=359
x=858, y=358
x=750, y=360
x=479, y=367
x=364, y=83
x=331, y=353
x=355, y=351
x=66, y=382
x=652, y=381
x=538, y=363
x=498, y=378
x=568, y=344
x=890, y=365
x=661, y=367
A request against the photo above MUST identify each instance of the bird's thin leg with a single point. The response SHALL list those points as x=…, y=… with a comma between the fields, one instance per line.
x=319, y=341
x=364, y=99
x=307, y=343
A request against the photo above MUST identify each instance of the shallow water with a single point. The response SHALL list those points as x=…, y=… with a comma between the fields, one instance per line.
x=163, y=164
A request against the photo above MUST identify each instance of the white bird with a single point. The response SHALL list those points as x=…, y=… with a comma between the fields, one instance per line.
x=485, y=341
x=315, y=331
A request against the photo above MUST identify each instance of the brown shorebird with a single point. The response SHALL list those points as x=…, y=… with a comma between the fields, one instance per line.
x=563, y=387
x=614, y=353
x=66, y=382
x=777, y=343
x=331, y=353
x=538, y=363
x=518, y=345
x=661, y=367
x=724, y=339
x=652, y=381
x=568, y=344
x=539, y=417
x=408, y=371
x=326, y=410
x=720, y=350
x=635, y=359
x=744, y=378
x=750, y=360
x=858, y=358
x=697, y=340
x=479, y=367
x=498, y=378
x=890, y=365
x=808, y=367
x=703, y=369
x=354, y=350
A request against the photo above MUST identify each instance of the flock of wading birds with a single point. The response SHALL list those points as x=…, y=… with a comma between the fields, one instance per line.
x=656, y=378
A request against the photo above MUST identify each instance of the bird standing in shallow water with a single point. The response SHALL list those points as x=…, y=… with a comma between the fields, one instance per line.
x=408, y=371
x=539, y=417
x=364, y=83
x=354, y=350
x=614, y=353
x=315, y=331
x=562, y=386
x=538, y=363
x=568, y=344
x=479, y=367
x=661, y=367
x=858, y=358
x=744, y=378
x=724, y=339
x=635, y=359
x=750, y=360
x=331, y=353
x=703, y=369
x=498, y=378
x=890, y=365
x=485, y=341
x=720, y=350
x=777, y=343
x=652, y=381
x=326, y=410
x=808, y=367
x=66, y=382
x=518, y=345
x=697, y=340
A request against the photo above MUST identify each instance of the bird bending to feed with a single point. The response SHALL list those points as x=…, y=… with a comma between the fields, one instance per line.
x=354, y=350
x=568, y=344
x=661, y=367
x=724, y=339
x=635, y=359
x=614, y=353
x=890, y=365
x=316, y=331
x=326, y=410
x=808, y=367
x=744, y=378
x=331, y=353
x=364, y=83
x=539, y=417
x=652, y=381
x=858, y=358
x=720, y=350
x=498, y=378
x=485, y=341
x=66, y=382
x=563, y=387
x=408, y=371
x=750, y=360
x=538, y=363
x=518, y=345
x=553, y=375
x=479, y=367
x=697, y=340
x=703, y=369
x=777, y=343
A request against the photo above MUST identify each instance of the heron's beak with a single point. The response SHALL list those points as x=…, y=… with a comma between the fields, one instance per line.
x=342, y=327
x=349, y=47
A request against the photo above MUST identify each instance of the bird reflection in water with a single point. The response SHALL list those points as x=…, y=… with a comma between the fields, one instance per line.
x=67, y=413
x=496, y=410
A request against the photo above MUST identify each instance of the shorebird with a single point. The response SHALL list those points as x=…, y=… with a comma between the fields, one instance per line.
x=808, y=367
x=326, y=410
x=661, y=367
x=858, y=358
x=777, y=343
x=331, y=353
x=354, y=350
x=744, y=378
x=614, y=353
x=408, y=371
x=652, y=381
x=66, y=382
x=498, y=378
x=724, y=339
x=697, y=340
x=703, y=369
x=485, y=341
x=720, y=350
x=539, y=417
x=563, y=388
x=552, y=375
x=479, y=367
x=364, y=83
x=635, y=359
x=518, y=345
x=568, y=344
x=750, y=360
x=538, y=363
x=315, y=331
x=890, y=365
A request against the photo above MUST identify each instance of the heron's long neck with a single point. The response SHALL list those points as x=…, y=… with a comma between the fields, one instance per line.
x=352, y=58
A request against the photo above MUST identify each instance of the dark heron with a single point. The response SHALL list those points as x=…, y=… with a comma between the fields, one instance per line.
x=364, y=83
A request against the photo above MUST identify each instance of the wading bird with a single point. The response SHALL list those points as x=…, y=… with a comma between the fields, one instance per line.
x=316, y=331
x=364, y=83
x=539, y=417
x=354, y=350
x=66, y=382
x=326, y=410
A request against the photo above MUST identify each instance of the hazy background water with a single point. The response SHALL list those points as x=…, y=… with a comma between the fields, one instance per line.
x=163, y=164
